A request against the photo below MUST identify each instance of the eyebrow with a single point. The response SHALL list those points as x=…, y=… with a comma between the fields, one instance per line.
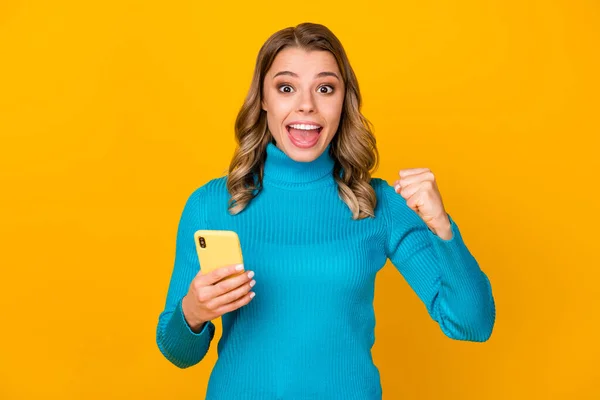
x=319, y=75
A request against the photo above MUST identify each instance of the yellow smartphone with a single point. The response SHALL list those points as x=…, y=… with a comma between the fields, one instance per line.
x=218, y=248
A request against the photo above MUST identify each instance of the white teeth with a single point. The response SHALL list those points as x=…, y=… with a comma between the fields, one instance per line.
x=304, y=127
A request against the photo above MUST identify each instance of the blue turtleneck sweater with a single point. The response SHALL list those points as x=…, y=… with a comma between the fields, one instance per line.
x=308, y=332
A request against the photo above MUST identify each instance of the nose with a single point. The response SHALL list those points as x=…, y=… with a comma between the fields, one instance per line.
x=306, y=103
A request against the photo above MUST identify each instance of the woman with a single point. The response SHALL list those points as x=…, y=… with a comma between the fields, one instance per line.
x=315, y=228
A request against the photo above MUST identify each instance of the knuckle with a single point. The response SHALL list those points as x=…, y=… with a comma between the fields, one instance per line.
x=224, y=286
x=218, y=273
x=202, y=297
x=229, y=297
x=241, y=291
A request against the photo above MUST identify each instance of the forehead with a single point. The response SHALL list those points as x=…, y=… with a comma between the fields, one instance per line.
x=304, y=63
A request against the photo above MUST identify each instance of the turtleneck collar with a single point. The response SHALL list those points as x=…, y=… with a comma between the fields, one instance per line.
x=283, y=171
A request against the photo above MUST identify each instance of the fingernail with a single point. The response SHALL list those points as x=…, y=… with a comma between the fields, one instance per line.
x=250, y=274
x=239, y=267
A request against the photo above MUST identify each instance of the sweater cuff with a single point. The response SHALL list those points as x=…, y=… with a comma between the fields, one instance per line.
x=454, y=229
x=179, y=330
x=456, y=260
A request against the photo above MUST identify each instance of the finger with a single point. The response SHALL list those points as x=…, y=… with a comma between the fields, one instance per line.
x=416, y=178
x=236, y=304
x=409, y=190
x=222, y=272
x=228, y=285
x=411, y=171
x=232, y=295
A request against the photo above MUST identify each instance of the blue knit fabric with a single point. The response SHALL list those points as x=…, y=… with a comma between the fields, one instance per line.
x=308, y=332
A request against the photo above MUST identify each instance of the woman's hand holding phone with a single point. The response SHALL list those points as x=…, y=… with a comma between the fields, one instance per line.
x=211, y=295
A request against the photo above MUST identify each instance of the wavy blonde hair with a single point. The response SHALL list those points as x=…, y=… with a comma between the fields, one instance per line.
x=353, y=147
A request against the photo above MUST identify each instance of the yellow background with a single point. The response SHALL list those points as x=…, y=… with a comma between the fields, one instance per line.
x=113, y=112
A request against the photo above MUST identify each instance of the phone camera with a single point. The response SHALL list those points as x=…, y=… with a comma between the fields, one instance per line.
x=202, y=242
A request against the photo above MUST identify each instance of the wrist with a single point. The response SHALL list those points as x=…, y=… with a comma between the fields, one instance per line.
x=195, y=324
x=441, y=227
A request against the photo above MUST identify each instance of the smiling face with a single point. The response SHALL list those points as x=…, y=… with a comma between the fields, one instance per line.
x=303, y=94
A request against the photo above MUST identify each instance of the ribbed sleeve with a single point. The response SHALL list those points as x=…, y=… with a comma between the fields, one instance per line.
x=443, y=273
x=174, y=337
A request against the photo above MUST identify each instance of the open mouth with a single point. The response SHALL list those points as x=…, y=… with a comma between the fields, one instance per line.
x=304, y=135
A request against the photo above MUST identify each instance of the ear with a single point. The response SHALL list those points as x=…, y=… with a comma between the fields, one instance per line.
x=262, y=104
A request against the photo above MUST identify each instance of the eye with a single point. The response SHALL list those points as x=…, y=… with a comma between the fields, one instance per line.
x=283, y=86
x=326, y=86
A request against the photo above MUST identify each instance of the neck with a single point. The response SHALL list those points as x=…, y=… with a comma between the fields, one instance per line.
x=283, y=171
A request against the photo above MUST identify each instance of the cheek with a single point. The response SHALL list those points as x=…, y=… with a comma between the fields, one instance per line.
x=278, y=112
x=332, y=110
x=274, y=118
